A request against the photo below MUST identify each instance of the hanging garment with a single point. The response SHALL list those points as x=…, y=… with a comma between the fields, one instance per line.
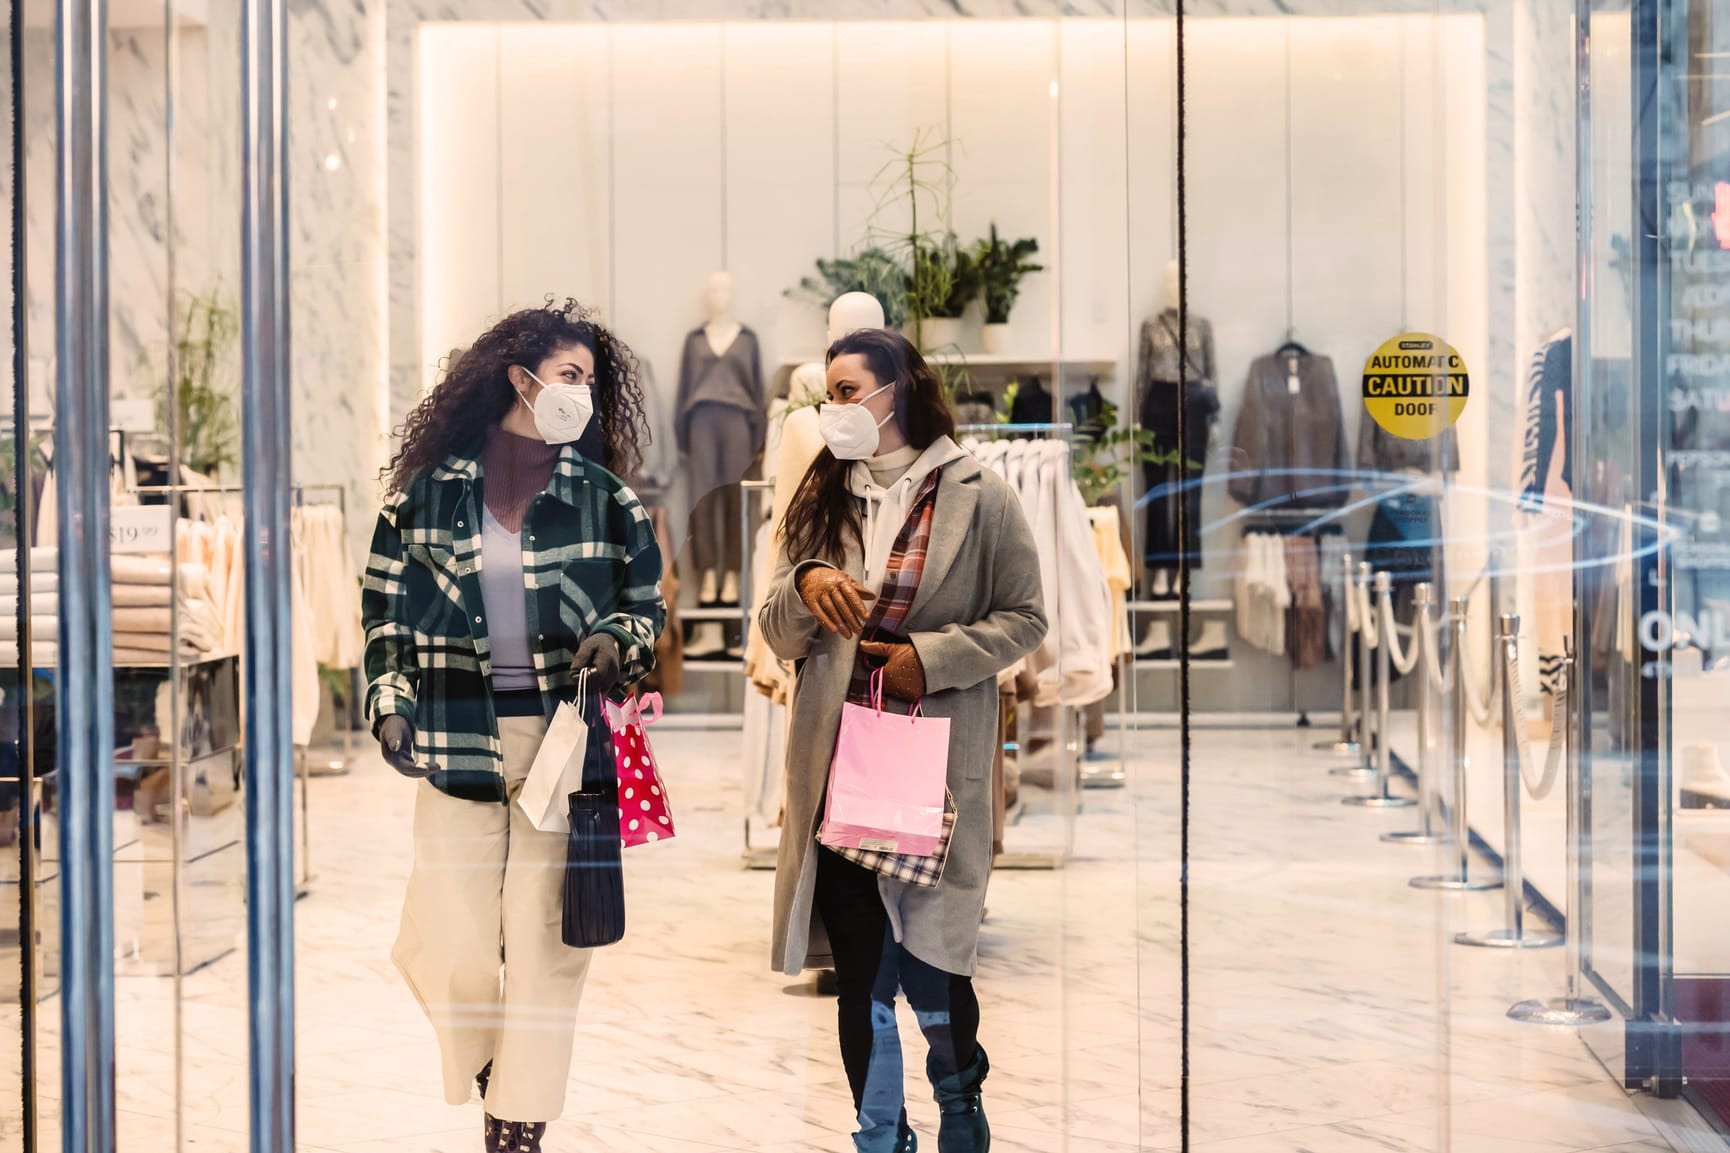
x=1381, y=452
x=1033, y=404
x=1307, y=631
x=668, y=675
x=1288, y=449
x=1334, y=549
x=1405, y=541
x=1171, y=480
x=333, y=587
x=1549, y=417
x=1087, y=412
x=1262, y=592
x=1114, y=560
x=1073, y=665
x=1546, y=478
x=303, y=664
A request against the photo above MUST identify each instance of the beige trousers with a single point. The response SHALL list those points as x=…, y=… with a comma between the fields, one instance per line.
x=480, y=944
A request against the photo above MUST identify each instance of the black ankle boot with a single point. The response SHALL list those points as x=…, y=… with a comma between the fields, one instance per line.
x=514, y=1136
x=962, y=1127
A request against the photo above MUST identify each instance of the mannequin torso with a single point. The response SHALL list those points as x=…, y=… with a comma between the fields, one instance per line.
x=721, y=333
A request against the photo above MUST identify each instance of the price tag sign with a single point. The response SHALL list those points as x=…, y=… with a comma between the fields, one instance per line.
x=140, y=528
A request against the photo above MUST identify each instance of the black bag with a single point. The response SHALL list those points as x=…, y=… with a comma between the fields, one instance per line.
x=594, y=913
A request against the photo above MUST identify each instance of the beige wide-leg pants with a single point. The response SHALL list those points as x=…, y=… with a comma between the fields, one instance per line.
x=480, y=944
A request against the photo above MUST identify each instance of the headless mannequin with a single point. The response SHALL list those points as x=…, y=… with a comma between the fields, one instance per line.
x=721, y=427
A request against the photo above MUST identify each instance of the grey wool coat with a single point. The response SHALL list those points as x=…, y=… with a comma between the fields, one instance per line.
x=979, y=609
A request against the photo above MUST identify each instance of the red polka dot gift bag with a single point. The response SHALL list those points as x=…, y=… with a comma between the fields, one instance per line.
x=644, y=815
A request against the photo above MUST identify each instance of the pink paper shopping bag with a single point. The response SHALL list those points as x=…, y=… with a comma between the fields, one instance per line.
x=644, y=815
x=886, y=783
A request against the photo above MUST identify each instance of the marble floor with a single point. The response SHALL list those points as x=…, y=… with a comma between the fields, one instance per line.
x=1328, y=1013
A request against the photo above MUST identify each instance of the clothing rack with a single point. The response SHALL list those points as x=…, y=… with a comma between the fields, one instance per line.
x=1314, y=522
x=1068, y=772
x=1063, y=428
x=335, y=766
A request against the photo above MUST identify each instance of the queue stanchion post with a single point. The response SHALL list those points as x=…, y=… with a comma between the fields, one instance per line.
x=1383, y=797
x=1458, y=879
x=1357, y=587
x=1429, y=830
x=1514, y=934
x=1571, y=1008
x=1346, y=745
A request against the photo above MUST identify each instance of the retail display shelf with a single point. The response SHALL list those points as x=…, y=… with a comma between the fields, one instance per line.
x=1171, y=606
x=715, y=665
x=1171, y=663
x=715, y=613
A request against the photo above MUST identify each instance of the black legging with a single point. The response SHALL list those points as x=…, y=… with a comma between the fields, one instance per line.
x=869, y=965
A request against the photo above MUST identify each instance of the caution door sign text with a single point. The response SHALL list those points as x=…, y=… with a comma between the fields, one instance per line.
x=1415, y=385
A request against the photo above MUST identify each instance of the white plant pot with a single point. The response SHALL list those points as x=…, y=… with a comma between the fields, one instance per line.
x=994, y=339
x=940, y=334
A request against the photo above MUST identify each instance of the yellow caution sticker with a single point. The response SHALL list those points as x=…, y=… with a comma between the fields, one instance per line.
x=1415, y=385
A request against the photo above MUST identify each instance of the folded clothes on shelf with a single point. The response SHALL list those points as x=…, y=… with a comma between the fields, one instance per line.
x=43, y=654
x=41, y=560
x=141, y=570
x=41, y=581
x=41, y=604
x=42, y=626
x=141, y=596
x=130, y=657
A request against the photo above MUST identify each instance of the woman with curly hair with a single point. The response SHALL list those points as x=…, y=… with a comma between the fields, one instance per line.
x=505, y=562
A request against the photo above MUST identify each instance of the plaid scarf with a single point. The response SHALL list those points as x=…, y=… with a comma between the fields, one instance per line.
x=901, y=575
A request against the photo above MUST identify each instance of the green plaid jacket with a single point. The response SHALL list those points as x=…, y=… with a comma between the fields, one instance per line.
x=590, y=564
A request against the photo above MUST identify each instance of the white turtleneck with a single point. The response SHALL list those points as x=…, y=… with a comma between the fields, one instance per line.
x=892, y=466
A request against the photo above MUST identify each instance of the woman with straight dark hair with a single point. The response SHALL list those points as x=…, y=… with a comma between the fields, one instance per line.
x=899, y=553
x=506, y=562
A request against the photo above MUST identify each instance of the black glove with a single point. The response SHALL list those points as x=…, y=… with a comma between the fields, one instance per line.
x=599, y=653
x=396, y=742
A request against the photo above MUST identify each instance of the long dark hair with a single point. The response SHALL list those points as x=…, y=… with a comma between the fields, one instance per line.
x=823, y=514
x=474, y=392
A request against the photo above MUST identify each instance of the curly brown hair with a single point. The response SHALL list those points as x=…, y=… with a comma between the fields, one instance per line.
x=474, y=393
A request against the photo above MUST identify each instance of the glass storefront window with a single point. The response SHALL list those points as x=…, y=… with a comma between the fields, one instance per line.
x=1313, y=621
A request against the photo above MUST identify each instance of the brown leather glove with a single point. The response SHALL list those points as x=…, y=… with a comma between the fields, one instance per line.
x=837, y=600
x=903, y=674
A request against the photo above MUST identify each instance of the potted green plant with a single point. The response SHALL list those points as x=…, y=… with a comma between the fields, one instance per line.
x=1105, y=453
x=945, y=281
x=1002, y=266
x=871, y=270
x=206, y=380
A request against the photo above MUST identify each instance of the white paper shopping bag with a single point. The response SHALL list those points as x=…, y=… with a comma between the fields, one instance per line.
x=557, y=771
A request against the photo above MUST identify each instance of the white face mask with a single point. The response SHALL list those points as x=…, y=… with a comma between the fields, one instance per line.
x=562, y=411
x=849, y=429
